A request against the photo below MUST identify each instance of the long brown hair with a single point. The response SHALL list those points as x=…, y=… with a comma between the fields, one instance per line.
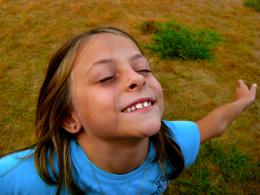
x=54, y=104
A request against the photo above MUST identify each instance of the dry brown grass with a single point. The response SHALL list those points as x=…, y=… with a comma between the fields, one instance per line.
x=32, y=30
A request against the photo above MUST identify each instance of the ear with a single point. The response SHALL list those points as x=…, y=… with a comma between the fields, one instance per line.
x=71, y=124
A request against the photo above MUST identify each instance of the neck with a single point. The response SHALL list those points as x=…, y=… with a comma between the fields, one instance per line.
x=115, y=156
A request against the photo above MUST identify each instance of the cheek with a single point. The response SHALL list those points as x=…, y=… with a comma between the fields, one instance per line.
x=159, y=89
x=159, y=92
x=95, y=105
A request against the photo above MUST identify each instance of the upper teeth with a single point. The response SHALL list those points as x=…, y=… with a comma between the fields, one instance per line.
x=138, y=106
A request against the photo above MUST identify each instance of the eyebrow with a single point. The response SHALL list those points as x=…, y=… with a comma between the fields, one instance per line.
x=111, y=61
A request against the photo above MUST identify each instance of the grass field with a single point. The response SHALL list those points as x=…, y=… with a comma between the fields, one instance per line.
x=31, y=31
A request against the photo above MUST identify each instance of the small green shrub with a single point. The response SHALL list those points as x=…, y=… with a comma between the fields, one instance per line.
x=174, y=40
x=255, y=4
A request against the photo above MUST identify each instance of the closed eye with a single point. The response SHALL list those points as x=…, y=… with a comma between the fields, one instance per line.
x=144, y=72
x=107, y=79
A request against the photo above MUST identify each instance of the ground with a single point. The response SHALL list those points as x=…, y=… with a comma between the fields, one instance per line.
x=31, y=31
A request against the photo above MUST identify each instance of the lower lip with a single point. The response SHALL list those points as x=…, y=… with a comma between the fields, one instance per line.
x=141, y=110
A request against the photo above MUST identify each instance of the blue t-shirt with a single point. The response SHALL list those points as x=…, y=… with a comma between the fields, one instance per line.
x=19, y=176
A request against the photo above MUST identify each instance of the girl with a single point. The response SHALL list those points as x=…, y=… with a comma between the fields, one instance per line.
x=99, y=128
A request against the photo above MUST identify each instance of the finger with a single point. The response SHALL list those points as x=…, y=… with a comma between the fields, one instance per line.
x=253, y=90
x=253, y=87
x=241, y=84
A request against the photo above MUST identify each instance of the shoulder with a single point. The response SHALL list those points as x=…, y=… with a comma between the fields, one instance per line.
x=182, y=128
x=186, y=134
x=13, y=160
x=18, y=174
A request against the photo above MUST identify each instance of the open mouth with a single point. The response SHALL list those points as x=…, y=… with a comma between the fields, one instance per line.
x=138, y=105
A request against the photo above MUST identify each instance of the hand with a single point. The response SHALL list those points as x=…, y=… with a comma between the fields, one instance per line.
x=244, y=93
x=215, y=123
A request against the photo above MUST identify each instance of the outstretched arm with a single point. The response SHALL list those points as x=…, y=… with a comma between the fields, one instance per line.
x=215, y=123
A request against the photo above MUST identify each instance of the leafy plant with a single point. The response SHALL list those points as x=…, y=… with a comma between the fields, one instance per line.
x=175, y=40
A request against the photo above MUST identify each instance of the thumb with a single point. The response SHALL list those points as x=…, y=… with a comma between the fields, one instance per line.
x=253, y=89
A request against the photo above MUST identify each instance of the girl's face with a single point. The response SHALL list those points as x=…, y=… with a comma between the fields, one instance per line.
x=114, y=94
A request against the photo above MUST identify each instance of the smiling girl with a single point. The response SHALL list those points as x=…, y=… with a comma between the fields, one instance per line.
x=99, y=124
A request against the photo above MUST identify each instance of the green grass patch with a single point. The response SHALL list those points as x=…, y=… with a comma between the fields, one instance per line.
x=255, y=4
x=217, y=166
x=229, y=160
x=174, y=40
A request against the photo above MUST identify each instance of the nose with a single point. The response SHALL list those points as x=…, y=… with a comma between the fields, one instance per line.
x=135, y=81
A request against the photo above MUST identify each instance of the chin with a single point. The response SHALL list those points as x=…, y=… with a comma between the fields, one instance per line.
x=151, y=128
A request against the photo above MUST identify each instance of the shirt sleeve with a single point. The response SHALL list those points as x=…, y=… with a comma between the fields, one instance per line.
x=187, y=136
x=18, y=175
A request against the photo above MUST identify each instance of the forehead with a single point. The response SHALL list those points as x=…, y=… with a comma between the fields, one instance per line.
x=107, y=45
